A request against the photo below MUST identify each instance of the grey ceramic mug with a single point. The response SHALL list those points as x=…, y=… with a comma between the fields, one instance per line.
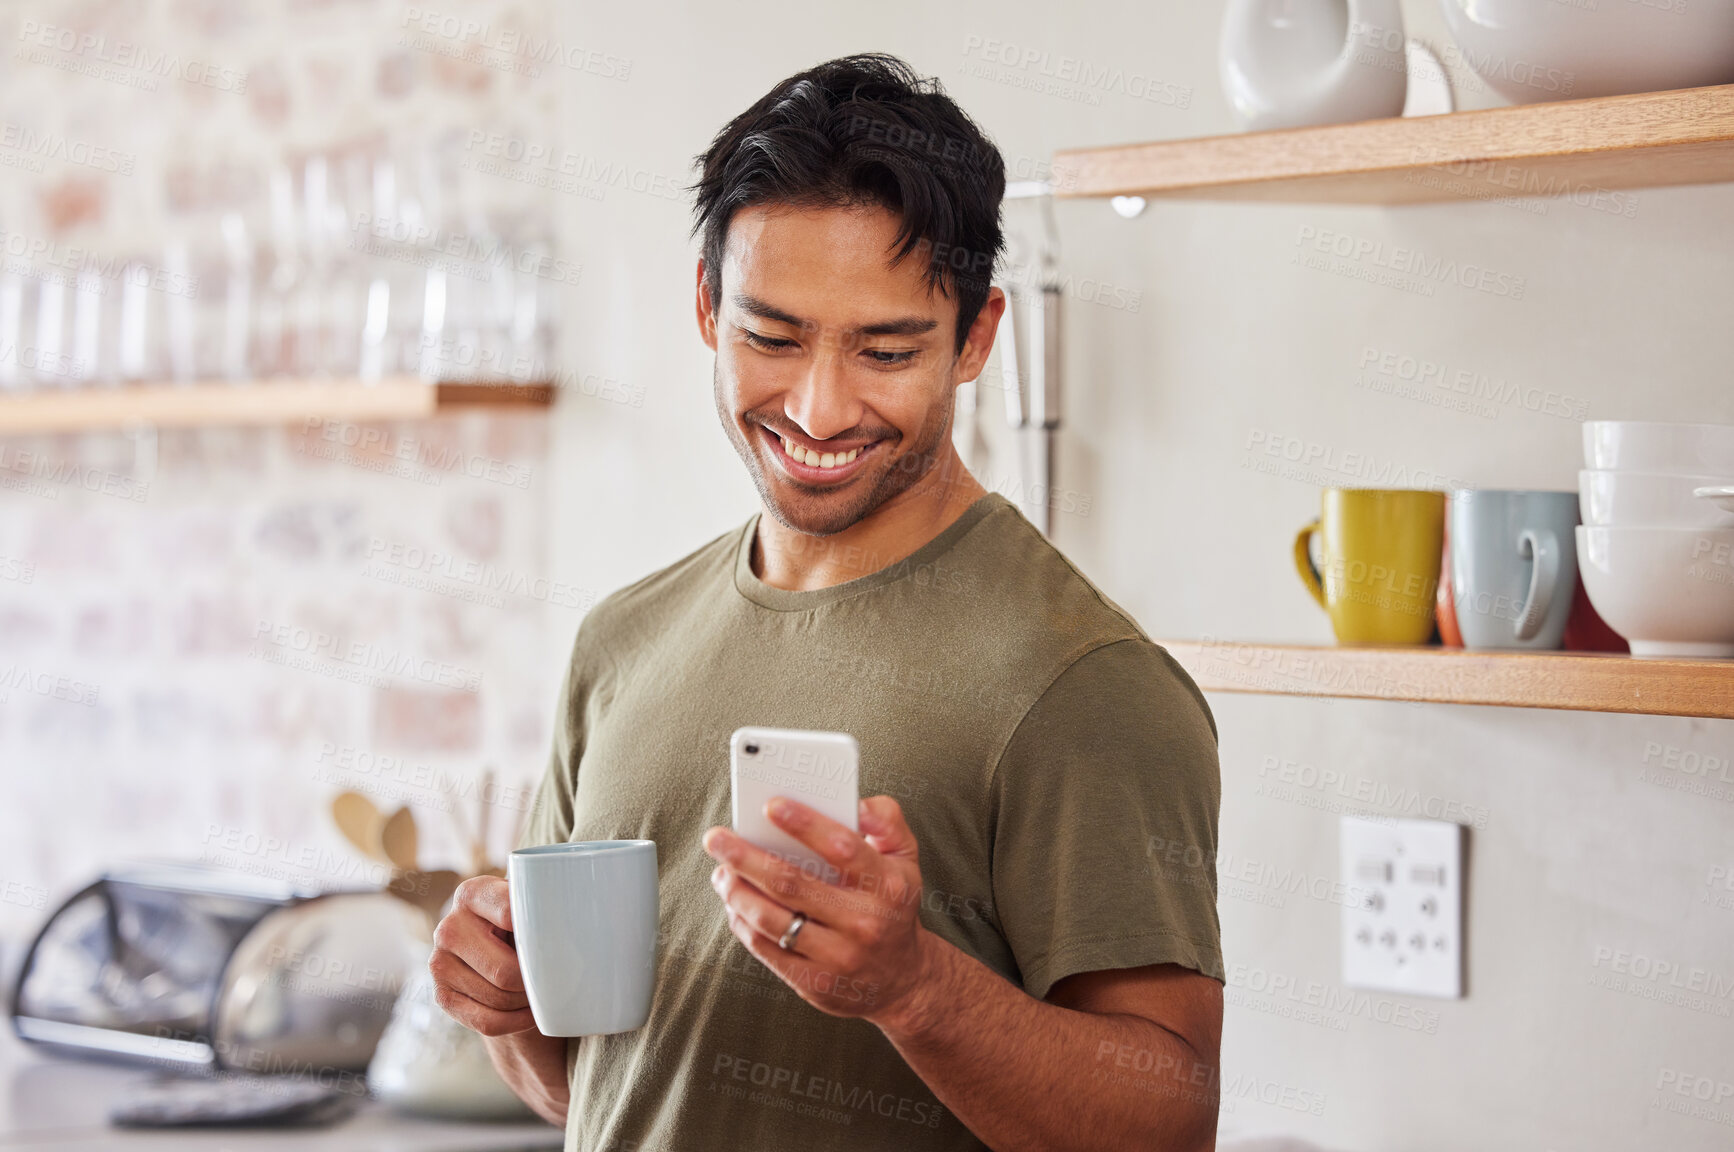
x=1513, y=566
x=584, y=921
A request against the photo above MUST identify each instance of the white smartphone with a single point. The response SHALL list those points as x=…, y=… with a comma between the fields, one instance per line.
x=820, y=769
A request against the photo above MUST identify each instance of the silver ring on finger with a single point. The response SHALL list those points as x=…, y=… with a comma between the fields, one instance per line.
x=787, y=942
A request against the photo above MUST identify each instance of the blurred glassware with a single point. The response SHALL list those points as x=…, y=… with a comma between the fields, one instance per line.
x=139, y=351
x=373, y=350
x=277, y=350
x=309, y=315
x=178, y=287
x=433, y=323
x=88, y=297
x=500, y=302
x=532, y=312
x=403, y=330
x=455, y=347
x=44, y=356
x=12, y=284
x=366, y=262
x=232, y=359
x=350, y=262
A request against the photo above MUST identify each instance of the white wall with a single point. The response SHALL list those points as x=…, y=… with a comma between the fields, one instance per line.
x=1576, y=847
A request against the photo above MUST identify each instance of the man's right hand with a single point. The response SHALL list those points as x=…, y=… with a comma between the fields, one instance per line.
x=474, y=965
x=478, y=984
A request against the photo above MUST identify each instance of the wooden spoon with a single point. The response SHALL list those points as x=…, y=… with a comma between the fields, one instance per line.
x=399, y=839
x=361, y=824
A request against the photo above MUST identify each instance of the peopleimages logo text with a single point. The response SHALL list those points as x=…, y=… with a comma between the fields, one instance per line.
x=536, y=157
x=1410, y=262
x=95, y=47
x=515, y=42
x=1662, y=971
x=290, y=639
x=53, y=146
x=1071, y=70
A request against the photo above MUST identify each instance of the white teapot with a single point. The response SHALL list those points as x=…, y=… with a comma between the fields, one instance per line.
x=1295, y=63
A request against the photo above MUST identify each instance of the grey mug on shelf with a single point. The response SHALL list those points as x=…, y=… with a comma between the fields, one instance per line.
x=1513, y=566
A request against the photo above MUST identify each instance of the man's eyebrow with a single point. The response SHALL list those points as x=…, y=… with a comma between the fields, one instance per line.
x=904, y=326
x=908, y=326
x=753, y=306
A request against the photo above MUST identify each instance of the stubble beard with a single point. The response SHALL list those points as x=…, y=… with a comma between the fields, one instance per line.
x=826, y=513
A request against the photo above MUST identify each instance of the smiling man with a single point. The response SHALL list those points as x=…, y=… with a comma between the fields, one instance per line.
x=1020, y=949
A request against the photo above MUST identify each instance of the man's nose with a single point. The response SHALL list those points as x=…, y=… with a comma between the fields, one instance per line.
x=822, y=401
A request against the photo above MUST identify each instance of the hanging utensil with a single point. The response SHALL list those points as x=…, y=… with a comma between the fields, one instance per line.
x=1033, y=393
x=966, y=424
x=1044, y=400
x=1011, y=379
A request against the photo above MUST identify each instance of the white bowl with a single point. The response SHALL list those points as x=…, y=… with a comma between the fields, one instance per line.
x=1534, y=50
x=1668, y=591
x=1674, y=449
x=1649, y=500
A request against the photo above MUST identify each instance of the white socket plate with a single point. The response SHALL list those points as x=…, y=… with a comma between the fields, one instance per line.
x=1403, y=918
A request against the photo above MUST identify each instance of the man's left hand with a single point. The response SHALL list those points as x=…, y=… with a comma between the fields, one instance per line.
x=862, y=951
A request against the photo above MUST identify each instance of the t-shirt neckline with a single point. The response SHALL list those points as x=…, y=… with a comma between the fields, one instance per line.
x=788, y=600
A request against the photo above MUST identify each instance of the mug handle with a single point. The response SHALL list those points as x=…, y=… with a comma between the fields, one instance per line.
x=1543, y=547
x=1303, y=563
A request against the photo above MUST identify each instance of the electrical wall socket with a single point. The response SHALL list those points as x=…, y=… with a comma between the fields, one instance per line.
x=1403, y=920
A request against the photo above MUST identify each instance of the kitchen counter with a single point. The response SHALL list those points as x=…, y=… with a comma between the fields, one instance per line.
x=49, y=1102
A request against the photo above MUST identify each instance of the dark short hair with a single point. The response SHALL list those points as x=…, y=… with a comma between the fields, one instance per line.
x=865, y=130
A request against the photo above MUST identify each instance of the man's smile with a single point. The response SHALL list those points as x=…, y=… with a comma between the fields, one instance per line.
x=817, y=461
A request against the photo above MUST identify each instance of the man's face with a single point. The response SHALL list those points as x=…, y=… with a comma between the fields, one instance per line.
x=835, y=371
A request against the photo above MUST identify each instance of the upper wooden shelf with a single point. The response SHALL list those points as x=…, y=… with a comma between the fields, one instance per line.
x=1574, y=147
x=94, y=407
x=1576, y=681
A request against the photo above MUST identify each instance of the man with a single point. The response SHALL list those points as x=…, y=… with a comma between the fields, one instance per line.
x=1022, y=949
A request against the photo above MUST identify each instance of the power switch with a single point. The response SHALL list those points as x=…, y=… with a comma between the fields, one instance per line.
x=1402, y=927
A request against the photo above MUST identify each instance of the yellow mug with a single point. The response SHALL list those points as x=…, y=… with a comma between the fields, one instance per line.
x=1380, y=549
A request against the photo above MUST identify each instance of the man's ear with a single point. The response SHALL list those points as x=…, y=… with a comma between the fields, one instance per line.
x=706, y=311
x=978, y=343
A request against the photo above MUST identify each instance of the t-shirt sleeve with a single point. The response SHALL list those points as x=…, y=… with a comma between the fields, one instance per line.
x=551, y=819
x=1105, y=813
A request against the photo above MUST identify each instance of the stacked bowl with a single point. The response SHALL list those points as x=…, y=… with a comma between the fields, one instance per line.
x=1656, y=547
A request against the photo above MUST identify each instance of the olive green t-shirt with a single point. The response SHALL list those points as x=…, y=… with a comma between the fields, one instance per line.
x=1048, y=757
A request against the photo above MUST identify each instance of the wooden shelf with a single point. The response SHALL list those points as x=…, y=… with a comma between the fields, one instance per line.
x=93, y=407
x=1575, y=147
x=1576, y=681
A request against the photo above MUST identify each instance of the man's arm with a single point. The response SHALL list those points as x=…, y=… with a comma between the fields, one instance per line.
x=534, y=1068
x=478, y=983
x=1121, y=1059
x=1111, y=1060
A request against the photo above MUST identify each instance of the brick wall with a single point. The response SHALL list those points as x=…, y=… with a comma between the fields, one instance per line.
x=204, y=635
